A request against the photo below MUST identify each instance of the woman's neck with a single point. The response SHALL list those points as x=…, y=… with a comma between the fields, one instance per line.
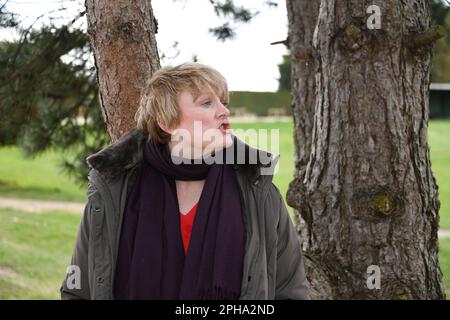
x=187, y=151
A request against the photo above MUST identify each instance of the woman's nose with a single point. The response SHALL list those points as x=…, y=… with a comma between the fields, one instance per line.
x=223, y=110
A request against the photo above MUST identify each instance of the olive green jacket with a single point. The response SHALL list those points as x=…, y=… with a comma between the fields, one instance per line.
x=273, y=262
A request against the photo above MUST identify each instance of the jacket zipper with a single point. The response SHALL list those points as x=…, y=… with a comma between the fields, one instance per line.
x=105, y=191
x=259, y=207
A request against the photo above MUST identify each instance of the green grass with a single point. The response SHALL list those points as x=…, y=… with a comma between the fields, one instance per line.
x=38, y=178
x=285, y=170
x=444, y=261
x=438, y=136
x=35, y=250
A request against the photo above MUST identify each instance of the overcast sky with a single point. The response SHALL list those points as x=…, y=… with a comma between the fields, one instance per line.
x=248, y=62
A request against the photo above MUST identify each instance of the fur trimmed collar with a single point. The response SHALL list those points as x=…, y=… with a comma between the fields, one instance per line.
x=127, y=152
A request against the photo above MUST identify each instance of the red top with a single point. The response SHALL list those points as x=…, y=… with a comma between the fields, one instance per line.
x=186, y=222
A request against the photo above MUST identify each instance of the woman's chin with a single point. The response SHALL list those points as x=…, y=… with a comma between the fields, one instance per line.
x=229, y=141
x=226, y=142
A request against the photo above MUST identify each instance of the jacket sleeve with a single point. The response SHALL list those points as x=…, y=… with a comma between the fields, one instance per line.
x=291, y=282
x=73, y=288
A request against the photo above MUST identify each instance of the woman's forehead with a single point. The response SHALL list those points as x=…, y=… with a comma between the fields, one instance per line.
x=207, y=93
x=204, y=92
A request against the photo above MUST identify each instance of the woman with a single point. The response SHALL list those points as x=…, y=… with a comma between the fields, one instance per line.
x=174, y=213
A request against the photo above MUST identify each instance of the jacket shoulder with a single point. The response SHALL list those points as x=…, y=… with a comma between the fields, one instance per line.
x=116, y=158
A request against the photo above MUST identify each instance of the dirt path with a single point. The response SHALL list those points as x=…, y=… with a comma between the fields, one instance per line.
x=444, y=233
x=31, y=205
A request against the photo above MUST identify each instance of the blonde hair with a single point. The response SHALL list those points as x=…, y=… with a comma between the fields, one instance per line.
x=159, y=96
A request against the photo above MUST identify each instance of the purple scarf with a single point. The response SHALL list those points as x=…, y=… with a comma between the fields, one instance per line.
x=151, y=263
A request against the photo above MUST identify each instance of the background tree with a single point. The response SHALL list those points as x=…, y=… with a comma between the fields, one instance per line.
x=44, y=95
x=122, y=37
x=284, y=82
x=440, y=68
x=363, y=184
x=126, y=53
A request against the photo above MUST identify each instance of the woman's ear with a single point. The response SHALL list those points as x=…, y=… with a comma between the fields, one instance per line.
x=162, y=125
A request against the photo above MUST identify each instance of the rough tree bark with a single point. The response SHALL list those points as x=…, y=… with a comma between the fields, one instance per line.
x=122, y=37
x=363, y=184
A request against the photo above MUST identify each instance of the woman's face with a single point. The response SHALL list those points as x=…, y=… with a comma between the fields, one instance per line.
x=204, y=125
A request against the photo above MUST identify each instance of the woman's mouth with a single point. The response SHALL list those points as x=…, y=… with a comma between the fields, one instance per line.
x=225, y=128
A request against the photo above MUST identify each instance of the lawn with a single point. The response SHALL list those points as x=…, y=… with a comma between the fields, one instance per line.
x=444, y=261
x=38, y=178
x=33, y=264
x=438, y=135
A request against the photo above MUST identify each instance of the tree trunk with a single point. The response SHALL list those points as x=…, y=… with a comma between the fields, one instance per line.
x=363, y=184
x=122, y=36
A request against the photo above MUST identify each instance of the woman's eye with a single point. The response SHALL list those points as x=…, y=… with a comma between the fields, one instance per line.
x=225, y=104
x=206, y=103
